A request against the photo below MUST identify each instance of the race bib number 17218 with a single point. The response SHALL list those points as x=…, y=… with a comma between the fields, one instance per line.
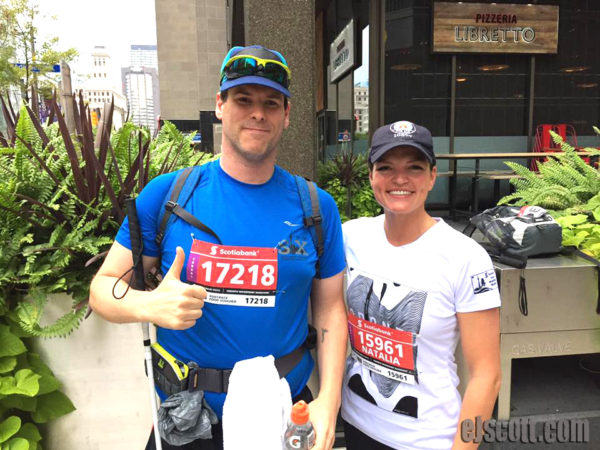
x=234, y=275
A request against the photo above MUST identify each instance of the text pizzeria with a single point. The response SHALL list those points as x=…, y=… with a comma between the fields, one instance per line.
x=495, y=18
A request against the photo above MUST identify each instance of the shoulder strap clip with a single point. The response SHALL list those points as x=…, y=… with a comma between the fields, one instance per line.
x=170, y=205
x=313, y=220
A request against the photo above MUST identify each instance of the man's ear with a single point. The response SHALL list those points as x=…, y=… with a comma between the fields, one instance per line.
x=219, y=106
x=286, y=122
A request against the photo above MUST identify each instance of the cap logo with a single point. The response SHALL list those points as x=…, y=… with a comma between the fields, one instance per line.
x=403, y=128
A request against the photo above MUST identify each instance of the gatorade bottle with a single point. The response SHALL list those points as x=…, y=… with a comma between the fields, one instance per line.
x=300, y=434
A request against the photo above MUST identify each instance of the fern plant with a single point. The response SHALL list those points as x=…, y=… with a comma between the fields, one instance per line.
x=569, y=188
x=561, y=183
x=61, y=203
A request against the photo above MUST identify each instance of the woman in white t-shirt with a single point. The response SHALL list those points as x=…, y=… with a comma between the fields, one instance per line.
x=415, y=285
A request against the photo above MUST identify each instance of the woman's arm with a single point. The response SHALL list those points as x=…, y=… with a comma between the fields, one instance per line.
x=480, y=338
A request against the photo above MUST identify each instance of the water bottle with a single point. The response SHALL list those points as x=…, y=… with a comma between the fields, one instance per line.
x=300, y=434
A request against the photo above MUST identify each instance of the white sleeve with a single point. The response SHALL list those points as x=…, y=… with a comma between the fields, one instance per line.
x=476, y=288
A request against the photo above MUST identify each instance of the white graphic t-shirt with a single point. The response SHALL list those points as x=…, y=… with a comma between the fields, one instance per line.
x=400, y=382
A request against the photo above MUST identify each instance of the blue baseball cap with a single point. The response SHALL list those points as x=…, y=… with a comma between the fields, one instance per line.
x=401, y=133
x=257, y=51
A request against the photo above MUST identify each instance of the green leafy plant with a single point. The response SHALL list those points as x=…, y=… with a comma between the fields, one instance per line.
x=61, y=203
x=569, y=188
x=29, y=393
x=346, y=178
x=581, y=226
x=565, y=180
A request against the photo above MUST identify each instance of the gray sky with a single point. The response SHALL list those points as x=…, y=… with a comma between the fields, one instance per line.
x=82, y=24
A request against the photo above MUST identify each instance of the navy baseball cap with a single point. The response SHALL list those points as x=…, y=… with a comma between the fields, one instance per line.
x=255, y=64
x=402, y=133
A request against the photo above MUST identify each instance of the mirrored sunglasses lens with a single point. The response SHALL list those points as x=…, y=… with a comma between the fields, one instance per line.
x=249, y=66
x=276, y=73
x=243, y=66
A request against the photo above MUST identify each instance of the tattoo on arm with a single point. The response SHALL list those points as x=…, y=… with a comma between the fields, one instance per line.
x=323, y=331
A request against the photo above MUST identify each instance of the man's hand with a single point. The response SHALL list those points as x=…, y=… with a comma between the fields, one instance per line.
x=174, y=304
x=323, y=417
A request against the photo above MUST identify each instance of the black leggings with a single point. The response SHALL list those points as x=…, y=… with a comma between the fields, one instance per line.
x=216, y=442
x=357, y=440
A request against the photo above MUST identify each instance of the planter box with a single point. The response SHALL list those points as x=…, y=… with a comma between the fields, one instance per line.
x=101, y=367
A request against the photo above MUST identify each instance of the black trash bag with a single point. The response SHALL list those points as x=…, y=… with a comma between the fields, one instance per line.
x=185, y=417
x=520, y=231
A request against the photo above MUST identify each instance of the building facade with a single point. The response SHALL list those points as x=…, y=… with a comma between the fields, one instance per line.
x=100, y=86
x=499, y=92
x=361, y=109
x=143, y=56
x=471, y=101
x=192, y=39
x=140, y=85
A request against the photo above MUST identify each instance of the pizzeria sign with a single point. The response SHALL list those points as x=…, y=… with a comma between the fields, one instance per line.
x=494, y=28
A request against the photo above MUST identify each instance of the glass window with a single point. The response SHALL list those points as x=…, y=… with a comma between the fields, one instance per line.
x=492, y=95
x=417, y=82
x=567, y=85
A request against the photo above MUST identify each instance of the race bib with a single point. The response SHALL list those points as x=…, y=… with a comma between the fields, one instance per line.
x=234, y=275
x=383, y=350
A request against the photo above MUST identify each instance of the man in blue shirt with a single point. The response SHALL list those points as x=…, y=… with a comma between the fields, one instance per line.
x=241, y=291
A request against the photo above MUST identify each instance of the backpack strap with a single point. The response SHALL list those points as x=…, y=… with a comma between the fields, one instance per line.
x=516, y=261
x=469, y=230
x=179, y=193
x=313, y=219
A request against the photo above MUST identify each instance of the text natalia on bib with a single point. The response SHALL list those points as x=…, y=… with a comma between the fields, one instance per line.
x=383, y=350
x=234, y=275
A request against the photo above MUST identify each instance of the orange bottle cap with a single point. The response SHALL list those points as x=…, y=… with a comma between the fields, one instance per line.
x=300, y=413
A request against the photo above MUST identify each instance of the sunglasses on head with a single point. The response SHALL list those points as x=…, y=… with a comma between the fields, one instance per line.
x=244, y=65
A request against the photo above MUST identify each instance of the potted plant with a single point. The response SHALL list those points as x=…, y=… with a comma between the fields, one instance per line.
x=61, y=203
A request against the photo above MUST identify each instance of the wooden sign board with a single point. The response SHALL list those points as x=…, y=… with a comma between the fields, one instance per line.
x=494, y=28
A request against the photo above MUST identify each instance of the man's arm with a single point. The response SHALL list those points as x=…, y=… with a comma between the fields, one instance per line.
x=173, y=304
x=329, y=319
x=480, y=338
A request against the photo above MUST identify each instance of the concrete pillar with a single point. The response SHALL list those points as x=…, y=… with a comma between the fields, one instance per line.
x=191, y=44
x=289, y=27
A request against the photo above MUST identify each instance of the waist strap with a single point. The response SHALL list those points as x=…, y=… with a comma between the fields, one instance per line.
x=217, y=380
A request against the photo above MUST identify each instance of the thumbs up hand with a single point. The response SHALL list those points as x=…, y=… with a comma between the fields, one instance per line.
x=174, y=304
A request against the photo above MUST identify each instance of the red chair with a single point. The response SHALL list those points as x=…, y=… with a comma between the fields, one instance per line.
x=544, y=142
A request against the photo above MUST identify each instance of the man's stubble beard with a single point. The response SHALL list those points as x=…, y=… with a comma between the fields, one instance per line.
x=253, y=157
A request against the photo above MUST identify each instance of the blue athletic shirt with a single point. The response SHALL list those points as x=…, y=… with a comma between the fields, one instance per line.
x=265, y=215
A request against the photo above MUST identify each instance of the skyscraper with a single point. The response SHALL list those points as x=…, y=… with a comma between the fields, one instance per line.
x=140, y=86
x=101, y=86
x=144, y=56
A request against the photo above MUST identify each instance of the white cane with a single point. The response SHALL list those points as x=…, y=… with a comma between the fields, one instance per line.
x=137, y=282
x=150, y=372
